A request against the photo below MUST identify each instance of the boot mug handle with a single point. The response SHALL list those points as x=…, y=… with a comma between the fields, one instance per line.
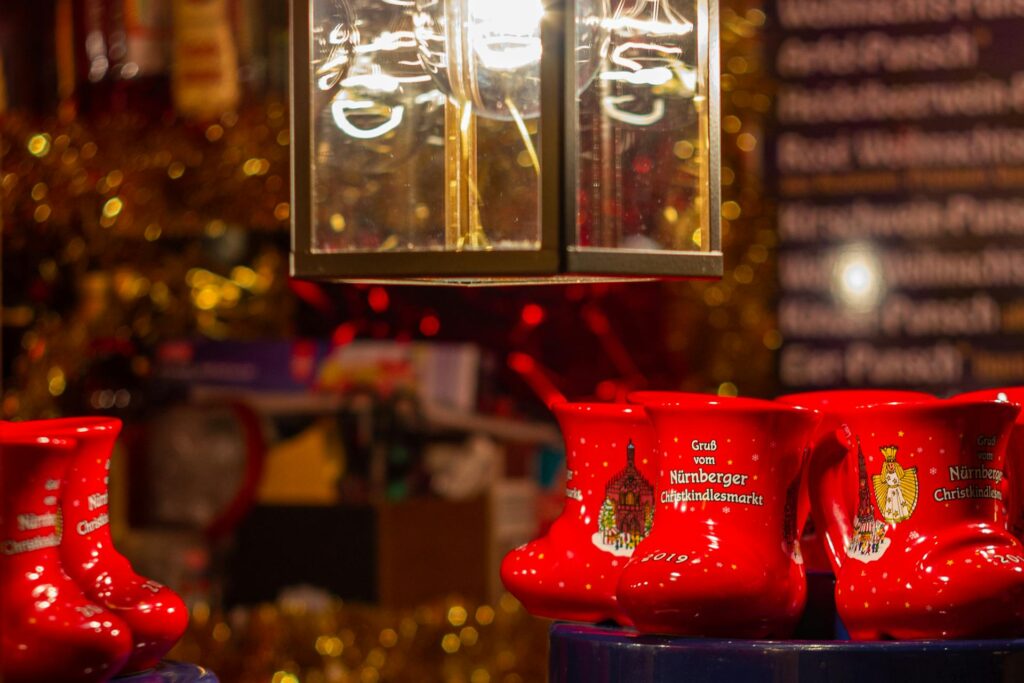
x=828, y=476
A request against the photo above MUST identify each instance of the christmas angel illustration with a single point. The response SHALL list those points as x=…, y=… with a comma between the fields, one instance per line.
x=895, y=488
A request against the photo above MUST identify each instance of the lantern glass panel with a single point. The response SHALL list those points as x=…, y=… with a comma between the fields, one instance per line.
x=425, y=134
x=643, y=154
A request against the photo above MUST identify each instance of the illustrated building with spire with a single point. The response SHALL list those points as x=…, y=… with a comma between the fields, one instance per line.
x=868, y=539
x=628, y=507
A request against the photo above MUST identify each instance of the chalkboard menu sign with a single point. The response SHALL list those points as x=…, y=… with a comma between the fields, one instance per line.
x=897, y=159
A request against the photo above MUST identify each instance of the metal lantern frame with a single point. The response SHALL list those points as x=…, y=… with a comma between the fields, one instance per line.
x=558, y=258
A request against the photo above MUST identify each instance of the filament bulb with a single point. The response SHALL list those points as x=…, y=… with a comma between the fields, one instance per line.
x=487, y=53
x=384, y=103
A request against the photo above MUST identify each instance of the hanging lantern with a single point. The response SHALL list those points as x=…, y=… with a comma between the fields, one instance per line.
x=499, y=141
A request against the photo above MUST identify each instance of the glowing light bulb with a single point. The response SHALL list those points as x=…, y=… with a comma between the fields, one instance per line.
x=857, y=277
x=487, y=53
x=506, y=36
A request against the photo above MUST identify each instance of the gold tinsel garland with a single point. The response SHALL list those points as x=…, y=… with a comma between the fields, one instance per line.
x=109, y=235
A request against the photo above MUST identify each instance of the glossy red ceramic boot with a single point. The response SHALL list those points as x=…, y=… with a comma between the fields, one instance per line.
x=833, y=406
x=1014, y=464
x=572, y=572
x=156, y=615
x=49, y=630
x=723, y=557
x=910, y=497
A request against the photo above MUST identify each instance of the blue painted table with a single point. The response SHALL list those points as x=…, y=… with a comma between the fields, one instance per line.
x=172, y=672
x=589, y=654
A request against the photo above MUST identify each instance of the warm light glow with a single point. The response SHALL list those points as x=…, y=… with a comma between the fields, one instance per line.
x=506, y=35
x=857, y=277
x=495, y=64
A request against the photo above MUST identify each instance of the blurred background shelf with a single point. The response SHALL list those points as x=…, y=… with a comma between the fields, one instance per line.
x=437, y=417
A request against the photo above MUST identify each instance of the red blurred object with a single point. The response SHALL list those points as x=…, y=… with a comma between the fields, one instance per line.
x=312, y=294
x=723, y=557
x=532, y=315
x=834, y=406
x=344, y=334
x=598, y=322
x=643, y=165
x=378, y=299
x=430, y=326
x=572, y=572
x=49, y=630
x=909, y=496
x=155, y=614
x=535, y=376
x=303, y=361
x=608, y=390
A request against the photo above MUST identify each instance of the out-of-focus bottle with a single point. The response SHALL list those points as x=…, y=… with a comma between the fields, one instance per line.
x=121, y=55
x=205, y=82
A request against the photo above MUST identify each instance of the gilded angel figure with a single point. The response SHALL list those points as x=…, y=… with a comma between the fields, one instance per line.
x=895, y=488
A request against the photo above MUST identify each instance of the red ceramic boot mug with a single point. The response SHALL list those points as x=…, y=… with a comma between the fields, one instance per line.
x=833, y=406
x=910, y=498
x=722, y=559
x=1014, y=465
x=156, y=615
x=572, y=572
x=49, y=630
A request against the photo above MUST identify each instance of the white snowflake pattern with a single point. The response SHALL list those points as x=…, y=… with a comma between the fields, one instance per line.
x=933, y=471
x=755, y=457
x=913, y=535
x=726, y=509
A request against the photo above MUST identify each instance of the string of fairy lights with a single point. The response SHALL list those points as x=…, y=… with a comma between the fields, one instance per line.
x=449, y=640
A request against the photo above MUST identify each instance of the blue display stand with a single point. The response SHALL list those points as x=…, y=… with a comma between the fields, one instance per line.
x=172, y=672
x=588, y=654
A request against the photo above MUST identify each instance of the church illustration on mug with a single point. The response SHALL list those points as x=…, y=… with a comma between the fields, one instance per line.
x=627, y=514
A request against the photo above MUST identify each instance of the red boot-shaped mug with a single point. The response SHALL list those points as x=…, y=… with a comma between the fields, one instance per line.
x=572, y=572
x=910, y=498
x=834, y=406
x=49, y=630
x=723, y=558
x=156, y=615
